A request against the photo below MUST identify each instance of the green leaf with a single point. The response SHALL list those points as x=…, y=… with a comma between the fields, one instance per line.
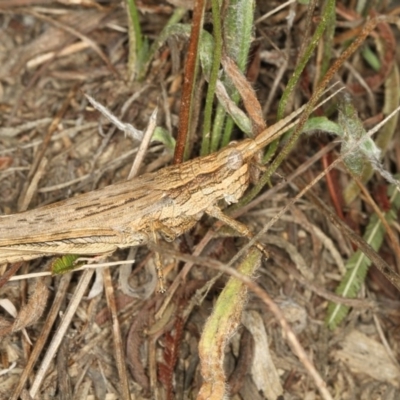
x=322, y=124
x=358, y=264
x=238, y=33
x=353, y=131
x=354, y=151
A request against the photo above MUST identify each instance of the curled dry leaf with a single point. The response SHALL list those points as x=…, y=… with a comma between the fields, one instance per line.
x=33, y=310
x=263, y=370
x=29, y=314
x=134, y=342
x=244, y=362
x=250, y=101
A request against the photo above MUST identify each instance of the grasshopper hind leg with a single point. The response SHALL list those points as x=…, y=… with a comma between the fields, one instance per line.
x=158, y=263
x=242, y=229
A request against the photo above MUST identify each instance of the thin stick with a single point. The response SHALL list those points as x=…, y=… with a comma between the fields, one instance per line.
x=48, y=326
x=119, y=352
x=57, y=338
x=144, y=144
x=377, y=259
x=259, y=291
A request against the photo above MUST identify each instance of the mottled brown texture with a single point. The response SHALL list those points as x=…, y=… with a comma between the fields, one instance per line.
x=168, y=202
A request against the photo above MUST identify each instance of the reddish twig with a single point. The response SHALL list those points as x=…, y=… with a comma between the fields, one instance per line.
x=188, y=81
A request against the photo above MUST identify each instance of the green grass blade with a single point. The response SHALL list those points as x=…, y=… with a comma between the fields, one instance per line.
x=358, y=265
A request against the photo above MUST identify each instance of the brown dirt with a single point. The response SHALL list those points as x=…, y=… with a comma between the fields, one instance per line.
x=53, y=52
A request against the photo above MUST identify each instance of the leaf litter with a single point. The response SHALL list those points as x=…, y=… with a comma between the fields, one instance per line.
x=48, y=52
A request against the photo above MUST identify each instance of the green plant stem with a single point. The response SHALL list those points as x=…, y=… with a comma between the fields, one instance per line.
x=238, y=29
x=326, y=17
x=217, y=33
x=135, y=38
x=368, y=27
x=218, y=125
x=221, y=325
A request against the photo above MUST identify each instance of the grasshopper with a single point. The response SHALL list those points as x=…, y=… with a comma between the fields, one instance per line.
x=165, y=203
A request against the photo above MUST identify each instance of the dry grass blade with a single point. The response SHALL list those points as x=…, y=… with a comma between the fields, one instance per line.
x=250, y=71
x=215, y=374
x=48, y=326
x=58, y=337
x=250, y=101
x=119, y=352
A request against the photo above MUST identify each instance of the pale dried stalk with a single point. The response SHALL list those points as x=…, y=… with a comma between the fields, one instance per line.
x=57, y=338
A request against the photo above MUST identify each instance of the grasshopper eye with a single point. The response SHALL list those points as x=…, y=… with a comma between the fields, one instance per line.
x=234, y=160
